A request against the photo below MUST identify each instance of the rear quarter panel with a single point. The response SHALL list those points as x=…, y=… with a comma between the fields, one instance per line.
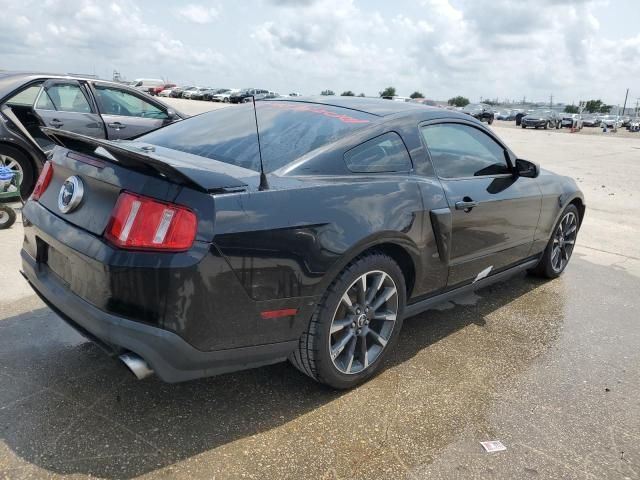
x=293, y=242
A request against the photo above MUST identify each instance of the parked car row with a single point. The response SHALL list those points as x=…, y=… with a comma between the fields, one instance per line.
x=226, y=95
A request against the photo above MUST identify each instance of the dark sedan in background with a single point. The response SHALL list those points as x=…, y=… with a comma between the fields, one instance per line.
x=482, y=112
x=188, y=253
x=257, y=93
x=541, y=118
x=96, y=108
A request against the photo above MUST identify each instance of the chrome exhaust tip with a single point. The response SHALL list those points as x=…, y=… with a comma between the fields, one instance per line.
x=137, y=365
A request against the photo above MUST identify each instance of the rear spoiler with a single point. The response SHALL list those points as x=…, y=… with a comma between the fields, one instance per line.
x=178, y=171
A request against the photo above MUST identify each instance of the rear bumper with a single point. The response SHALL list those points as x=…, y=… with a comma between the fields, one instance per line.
x=171, y=357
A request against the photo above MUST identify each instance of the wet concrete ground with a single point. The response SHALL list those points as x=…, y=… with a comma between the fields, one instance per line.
x=550, y=368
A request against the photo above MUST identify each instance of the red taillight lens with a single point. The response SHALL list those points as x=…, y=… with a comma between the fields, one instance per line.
x=43, y=181
x=141, y=223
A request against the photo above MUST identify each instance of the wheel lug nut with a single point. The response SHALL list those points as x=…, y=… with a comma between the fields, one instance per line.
x=358, y=311
x=358, y=331
x=367, y=322
x=353, y=325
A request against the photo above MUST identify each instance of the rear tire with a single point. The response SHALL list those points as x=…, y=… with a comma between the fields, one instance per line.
x=18, y=161
x=558, y=252
x=341, y=347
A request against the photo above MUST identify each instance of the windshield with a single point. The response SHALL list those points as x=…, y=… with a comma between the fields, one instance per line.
x=472, y=108
x=288, y=130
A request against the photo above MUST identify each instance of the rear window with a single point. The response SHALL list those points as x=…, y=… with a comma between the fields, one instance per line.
x=288, y=130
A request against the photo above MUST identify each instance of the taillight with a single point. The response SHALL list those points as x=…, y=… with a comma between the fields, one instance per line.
x=43, y=181
x=141, y=223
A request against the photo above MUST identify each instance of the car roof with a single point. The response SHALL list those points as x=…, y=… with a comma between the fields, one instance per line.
x=373, y=106
x=11, y=80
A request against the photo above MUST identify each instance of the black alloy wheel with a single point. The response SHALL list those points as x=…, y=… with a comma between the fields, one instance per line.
x=355, y=324
x=560, y=247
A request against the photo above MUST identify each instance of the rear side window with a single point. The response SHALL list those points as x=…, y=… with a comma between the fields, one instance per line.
x=64, y=98
x=386, y=153
x=26, y=97
x=461, y=151
x=288, y=130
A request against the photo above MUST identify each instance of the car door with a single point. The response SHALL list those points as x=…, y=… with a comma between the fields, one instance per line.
x=64, y=104
x=494, y=212
x=126, y=113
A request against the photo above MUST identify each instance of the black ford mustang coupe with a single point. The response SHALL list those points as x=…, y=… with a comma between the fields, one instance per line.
x=174, y=252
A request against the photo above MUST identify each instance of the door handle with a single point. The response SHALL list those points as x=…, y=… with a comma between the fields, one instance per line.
x=56, y=123
x=466, y=204
x=116, y=125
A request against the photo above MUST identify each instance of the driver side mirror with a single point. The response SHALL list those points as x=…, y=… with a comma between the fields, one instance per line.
x=527, y=169
x=171, y=114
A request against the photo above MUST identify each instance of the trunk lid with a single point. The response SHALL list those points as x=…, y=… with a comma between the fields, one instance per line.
x=106, y=168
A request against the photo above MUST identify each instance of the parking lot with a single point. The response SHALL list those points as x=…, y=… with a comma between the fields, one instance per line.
x=549, y=368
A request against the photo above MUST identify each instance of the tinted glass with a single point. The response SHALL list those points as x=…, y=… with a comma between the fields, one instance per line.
x=113, y=101
x=26, y=97
x=460, y=151
x=288, y=130
x=64, y=98
x=386, y=153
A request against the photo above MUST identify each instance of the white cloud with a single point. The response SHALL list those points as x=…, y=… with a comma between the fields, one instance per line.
x=489, y=48
x=199, y=14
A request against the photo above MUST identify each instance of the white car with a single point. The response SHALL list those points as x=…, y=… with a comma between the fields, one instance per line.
x=225, y=95
x=166, y=92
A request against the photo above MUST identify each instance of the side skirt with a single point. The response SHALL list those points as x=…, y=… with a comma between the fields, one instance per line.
x=427, y=303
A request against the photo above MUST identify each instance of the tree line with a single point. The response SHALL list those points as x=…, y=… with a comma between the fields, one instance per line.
x=591, y=106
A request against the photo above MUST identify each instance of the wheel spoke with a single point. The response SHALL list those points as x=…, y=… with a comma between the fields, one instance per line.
x=376, y=336
x=364, y=352
x=387, y=316
x=386, y=294
x=338, y=325
x=572, y=229
x=337, y=350
x=361, y=286
x=569, y=242
x=351, y=353
x=375, y=288
x=347, y=301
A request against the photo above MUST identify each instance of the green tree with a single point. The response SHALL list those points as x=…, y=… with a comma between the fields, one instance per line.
x=416, y=94
x=605, y=108
x=458, y=101
x=388, y=92
x=593, y=106
x=327, y=92
x=361, y=95
x=347, y=93
x=571, y=109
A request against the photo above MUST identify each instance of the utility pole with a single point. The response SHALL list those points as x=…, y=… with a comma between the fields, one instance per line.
x=625, y=102
x=551, y=101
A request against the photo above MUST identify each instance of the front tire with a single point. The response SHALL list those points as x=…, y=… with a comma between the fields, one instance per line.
x=355, y=324
x=561, y=244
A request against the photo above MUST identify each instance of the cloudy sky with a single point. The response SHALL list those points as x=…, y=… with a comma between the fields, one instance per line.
x=573, y=49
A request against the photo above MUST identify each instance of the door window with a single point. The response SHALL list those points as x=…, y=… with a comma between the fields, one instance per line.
x=63, y=97
x=462, y=151
x=385, y=153
x=113, y=101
